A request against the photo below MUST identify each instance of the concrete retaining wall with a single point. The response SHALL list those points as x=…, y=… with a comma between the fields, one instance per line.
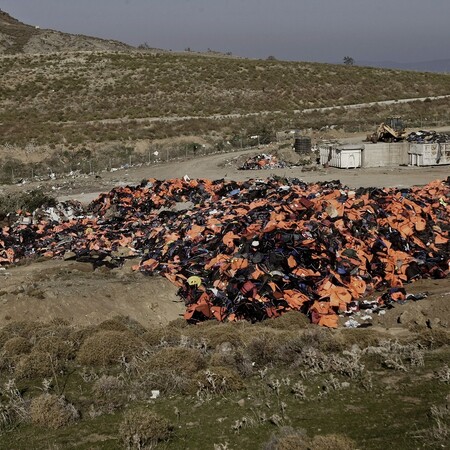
x=384, y=154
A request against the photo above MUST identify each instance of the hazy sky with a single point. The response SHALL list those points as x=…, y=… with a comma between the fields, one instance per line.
x=303, y=30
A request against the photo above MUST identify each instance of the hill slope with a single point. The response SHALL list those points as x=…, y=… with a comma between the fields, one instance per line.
x=17, y=37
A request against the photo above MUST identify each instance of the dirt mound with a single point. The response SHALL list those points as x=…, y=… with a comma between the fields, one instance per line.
x=75, y=292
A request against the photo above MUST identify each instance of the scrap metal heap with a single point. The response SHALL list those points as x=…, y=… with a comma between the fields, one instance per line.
x=255, y=249
x=428, y=137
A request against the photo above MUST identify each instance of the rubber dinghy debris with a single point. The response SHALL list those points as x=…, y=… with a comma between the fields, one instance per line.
x=253, y=250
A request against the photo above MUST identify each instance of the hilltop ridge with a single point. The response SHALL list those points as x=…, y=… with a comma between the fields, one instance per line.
x=17, y=37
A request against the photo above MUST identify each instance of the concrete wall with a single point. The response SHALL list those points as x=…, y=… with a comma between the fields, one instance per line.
x=384, y=154
x=429, y=154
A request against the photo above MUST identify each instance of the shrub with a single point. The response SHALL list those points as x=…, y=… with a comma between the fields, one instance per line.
x=109, y=393
x=219, y=380
x=122, y=323
x=108, y=347
x=143, y=429
x=17, y=346
x=287, y=439
x=332, y=442
x=227, y=356
x=291, y=439
x=55, y=347
x=186, y=360
x=37, y=365
x=223, y=332
x=168, y=381
x=291, y=320
x=51, y=411
x=263, y=345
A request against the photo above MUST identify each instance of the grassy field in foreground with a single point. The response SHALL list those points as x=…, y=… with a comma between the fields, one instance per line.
x=222, y=386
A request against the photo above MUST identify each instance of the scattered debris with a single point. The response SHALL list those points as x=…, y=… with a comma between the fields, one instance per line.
x=264, y=161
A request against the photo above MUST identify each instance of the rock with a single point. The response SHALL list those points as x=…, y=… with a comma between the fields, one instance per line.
x=225, y=348
x=69, y=256
x=82, y=267
x=241, y=402
x=413, y=315
x=122, y=252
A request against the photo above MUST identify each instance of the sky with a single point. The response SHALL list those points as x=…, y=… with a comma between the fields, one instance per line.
x=298, y=30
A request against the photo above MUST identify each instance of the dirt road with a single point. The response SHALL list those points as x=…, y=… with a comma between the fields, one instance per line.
x=224, y=165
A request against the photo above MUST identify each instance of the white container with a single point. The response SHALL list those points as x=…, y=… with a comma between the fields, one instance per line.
x=342, y=156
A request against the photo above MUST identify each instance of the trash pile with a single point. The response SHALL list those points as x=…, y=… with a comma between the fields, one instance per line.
x=428, y=137
x=255, y=249
x=263, y=161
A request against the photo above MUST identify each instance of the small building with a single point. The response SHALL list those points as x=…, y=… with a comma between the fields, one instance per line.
x=436, y=154
x=342, y=156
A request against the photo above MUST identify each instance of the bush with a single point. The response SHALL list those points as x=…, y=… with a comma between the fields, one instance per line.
x=17, y=346
x=55, y=347
x=143, y=429
x=291, y=320
x=227, y=356
x=28, y=201
x=291, y=439
x=168, y=381
x=288, y=439
x=122, y=323
x=37, y=365
x=186, y=360
x=223, y=332
x=51, y=411
x=332, y=442
x=109, y=393
x=159, y=336
x=23, y=329
x=108, y=347
x=219, y=380
x=264, y=344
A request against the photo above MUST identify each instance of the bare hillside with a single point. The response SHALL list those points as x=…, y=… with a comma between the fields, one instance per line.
x=17, y=37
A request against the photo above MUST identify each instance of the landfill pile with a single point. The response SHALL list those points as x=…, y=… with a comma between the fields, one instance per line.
x=253, y=250
x=263, y=161
x=428, y=137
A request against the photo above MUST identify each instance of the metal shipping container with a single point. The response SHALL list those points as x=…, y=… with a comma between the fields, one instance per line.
x=342, y=156
x=437, y=154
